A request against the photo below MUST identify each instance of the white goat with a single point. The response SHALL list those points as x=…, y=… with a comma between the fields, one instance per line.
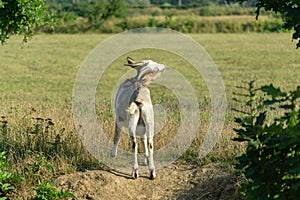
x=134, y=110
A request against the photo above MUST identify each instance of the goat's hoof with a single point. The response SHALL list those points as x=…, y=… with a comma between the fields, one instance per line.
x=135, y=175
x=152, y=175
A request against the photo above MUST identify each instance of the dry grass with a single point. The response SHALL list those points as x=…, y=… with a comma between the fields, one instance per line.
x=37, y=81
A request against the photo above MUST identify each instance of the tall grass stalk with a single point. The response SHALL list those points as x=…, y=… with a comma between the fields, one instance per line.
x=36, y=94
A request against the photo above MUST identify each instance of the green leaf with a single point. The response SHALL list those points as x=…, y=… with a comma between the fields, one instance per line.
x=21, y=17
x=271, y=162
x=46, y=191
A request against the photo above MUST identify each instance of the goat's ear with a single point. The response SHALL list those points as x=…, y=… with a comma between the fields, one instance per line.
x=132, y=63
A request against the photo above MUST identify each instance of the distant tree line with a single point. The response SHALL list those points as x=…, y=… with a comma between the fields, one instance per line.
x=112, y=16
x=163, y=3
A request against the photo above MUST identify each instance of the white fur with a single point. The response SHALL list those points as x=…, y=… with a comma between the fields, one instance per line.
x=134, y=109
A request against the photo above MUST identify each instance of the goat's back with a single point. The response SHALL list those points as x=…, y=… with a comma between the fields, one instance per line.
x=129, y=92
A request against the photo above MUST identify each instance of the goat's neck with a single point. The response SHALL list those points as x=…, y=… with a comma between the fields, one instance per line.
x=139, y=83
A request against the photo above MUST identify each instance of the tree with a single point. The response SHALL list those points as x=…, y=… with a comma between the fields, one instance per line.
x=290, y=10
x=21, y=17
x=116, y=8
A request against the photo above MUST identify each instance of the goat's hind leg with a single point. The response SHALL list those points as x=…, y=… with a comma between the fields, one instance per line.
x=135, y=173
x=134, y=113
x=151, y=160
x=117, y=138
x=146, y=151
x=148, y=117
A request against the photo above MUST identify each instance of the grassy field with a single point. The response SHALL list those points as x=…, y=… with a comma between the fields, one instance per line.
x=37, y=83
x=47, y=65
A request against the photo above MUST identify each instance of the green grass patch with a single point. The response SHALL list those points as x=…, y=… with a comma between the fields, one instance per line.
x=37, y=83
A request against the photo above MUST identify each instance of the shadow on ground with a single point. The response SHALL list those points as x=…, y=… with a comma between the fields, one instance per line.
x=176, y=181
x=212, y=182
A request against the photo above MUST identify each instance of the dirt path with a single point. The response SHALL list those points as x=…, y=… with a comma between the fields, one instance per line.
x=176, y=181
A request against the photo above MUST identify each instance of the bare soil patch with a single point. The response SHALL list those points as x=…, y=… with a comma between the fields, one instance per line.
x=176, y=181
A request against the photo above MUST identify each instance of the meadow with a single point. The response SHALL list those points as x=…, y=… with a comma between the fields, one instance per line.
x=37, y=81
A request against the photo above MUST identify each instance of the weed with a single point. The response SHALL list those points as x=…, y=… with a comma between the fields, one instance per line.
x=46, y=191
x=36, y=170
x=3, y=131
x=6, y=178
x=39, y=168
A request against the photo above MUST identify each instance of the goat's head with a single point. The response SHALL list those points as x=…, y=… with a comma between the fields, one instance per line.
x=147, y=70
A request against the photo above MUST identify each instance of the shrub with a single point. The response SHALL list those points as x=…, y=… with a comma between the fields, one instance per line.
x=271, y=129
x=5, y=177
x=46, y=191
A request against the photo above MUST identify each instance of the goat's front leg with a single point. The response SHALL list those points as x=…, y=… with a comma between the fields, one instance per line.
x=134, y=115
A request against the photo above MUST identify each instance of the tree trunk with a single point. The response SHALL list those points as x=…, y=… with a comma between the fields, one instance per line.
x=179, y=3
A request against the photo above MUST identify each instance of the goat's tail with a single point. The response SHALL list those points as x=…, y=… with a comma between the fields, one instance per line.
x=132, y=108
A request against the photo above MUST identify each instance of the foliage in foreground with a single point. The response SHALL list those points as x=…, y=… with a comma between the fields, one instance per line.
x=22, y=17
x=5, y=177
x=44, y=190
x=271, y=128
x=32, y=154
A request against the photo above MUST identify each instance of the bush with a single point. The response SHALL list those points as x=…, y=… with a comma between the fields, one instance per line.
x=271, y=129
x=196, y=24
x=46, y=191
x=6, y=177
